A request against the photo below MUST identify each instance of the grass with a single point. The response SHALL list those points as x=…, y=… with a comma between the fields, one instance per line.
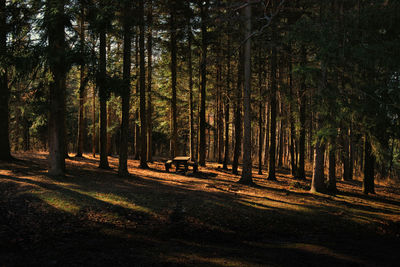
x=94, y=217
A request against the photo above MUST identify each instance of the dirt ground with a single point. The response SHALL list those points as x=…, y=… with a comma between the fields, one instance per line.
x=92, y=217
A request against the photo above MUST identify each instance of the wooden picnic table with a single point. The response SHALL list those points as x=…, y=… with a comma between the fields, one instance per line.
x=181, y=161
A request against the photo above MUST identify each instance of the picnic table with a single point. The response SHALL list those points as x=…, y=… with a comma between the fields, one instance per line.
x=181, y=161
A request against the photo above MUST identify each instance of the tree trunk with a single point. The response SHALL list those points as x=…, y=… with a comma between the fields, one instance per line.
x=191, y=112
x=332, y=167
x=247, y=163
x=5, y=153
x=318, y=178
x=300, y=174
x=293, y=162
x=149, y=81
x=143, y=117
x=203, y=67
x=238, y=116
x=227, y=108
x=174, y=132
x=260, y=114
x=137, y=113
x=272, y=148
x=369, y=168
x=94, y=123
x=57, y=45
x=126, y=93
x=82, y=85
x=103, y=101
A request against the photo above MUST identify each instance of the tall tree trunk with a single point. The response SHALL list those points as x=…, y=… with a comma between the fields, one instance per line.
x=94, y=122
x=203, y=67
x=281, y=134
x=267, y=131
x=247, y=162
x=191, y=107
x=174, y=131
x=82, y=95
x=369, y=168
x=5, y=153
x=227, y=108
x=293, y=162
x=345, y=154
x=57, y=46
x=220, y=115
x=103, y=101
x=238, y=115
x=149, y=81
x=260, y=113
x=143, y=117
x=300, y=174
x=137, y=113
x=272, y=148
x=126, y=93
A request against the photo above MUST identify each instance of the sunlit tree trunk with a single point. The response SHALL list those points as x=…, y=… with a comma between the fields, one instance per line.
x=272, y=147
x=82, y=86
x=56, y=39
x=126, y=91
x=191, y=107
x=94, y=123
x=173, y=114
x=300, y=174
x=4, y=89
x=203, y=67
x=103, y=100
x=143, y=117
x=149, y=81
x=227, y=105
x=260, y=113
x=238, y=115
x=247, y=163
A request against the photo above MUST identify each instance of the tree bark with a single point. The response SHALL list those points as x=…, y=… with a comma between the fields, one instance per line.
x=369, y=168
x=191, y=112
x=318, y=178
x=126, y=93
x=143, y=117
x=203, y=67
x=149, y=81
x=5, y=153
x=173, y=119
x=260, y=114
x=272, y=147
x=94, y=123
x=103, y=101
x=82, y=86
x=56, y=38
x=238, y=116
x=227, y=105
x=332, y=167
x=247, y=162
x=300, y=174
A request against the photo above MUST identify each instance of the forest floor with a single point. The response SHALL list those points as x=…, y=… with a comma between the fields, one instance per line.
x=93, y=217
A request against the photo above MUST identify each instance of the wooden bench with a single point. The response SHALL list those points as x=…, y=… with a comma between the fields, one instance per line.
x=181, y=161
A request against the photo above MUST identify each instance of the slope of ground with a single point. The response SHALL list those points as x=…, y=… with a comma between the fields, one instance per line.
x=93, y=217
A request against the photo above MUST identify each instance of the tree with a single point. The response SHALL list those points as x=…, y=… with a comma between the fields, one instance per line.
x=142, y=82
x=102, y=85
x=55, y=21
x=174, y=130
x=149, y=81
x=247, y=164
x=126, y=90
x=4, y=90
x=203, y=67
x=82, y=83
